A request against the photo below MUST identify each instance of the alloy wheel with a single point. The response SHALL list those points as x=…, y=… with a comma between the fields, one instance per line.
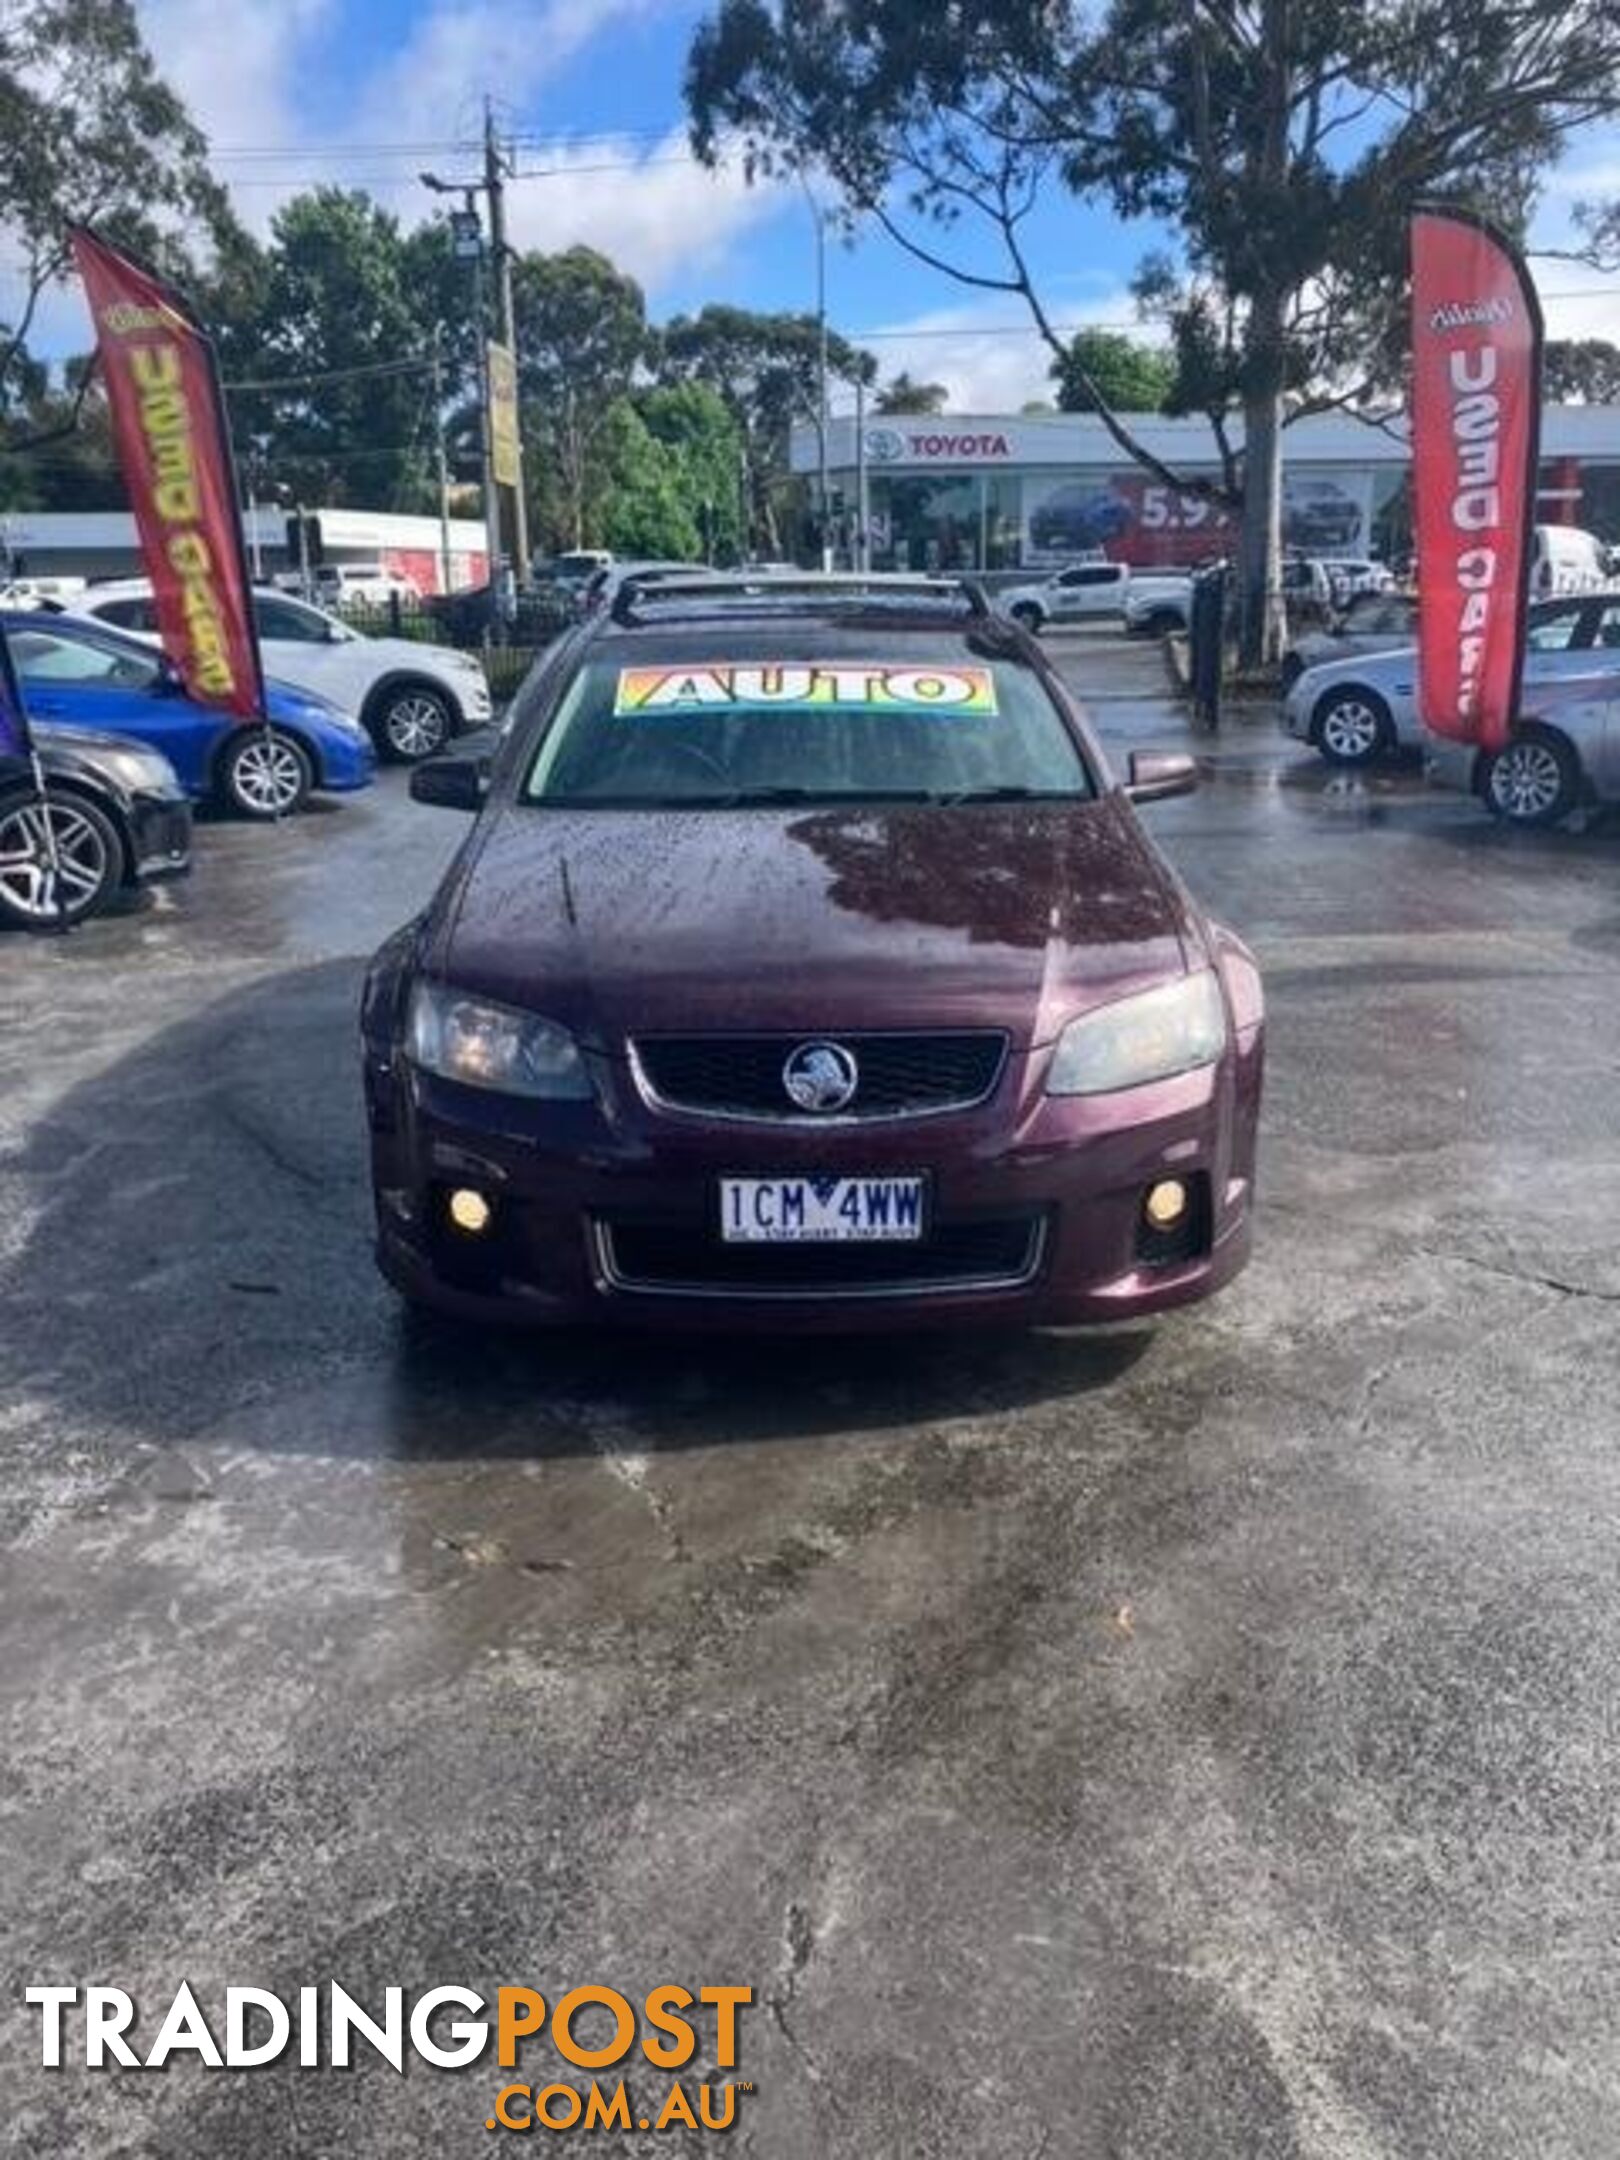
x=1526, y=781
x=415, y=724
x=1350, y=730
x=35, y=890
x=267, y=777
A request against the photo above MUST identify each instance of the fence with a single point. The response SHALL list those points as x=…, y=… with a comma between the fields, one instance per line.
x=507, y=643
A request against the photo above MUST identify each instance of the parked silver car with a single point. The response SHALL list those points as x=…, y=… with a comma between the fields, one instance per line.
x=1361, y=708
x=1373, y=622
x=1565, y=752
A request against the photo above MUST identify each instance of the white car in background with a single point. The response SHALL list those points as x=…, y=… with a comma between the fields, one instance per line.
x=411, y=698
x=1360, y=708
x=1352, y=575
x=1082, y=592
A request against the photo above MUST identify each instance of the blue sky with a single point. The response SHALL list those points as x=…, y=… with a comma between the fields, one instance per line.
x=367, y=92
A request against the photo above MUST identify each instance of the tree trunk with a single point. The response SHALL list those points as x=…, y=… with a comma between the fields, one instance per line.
x=1262, y=622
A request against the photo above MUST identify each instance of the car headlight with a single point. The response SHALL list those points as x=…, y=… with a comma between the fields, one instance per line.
x=142, y=771
x=486, y=1045
x=1172, y=1029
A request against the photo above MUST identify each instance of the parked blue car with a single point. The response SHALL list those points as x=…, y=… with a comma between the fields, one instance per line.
x=82, y=674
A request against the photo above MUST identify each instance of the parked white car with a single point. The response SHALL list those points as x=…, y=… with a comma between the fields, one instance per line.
x=1357, y=709
x=1081, y=593
x=1352, y=575
x=1565, y=751
x=410, y=697
x=1564, y=559
x=1158, y=600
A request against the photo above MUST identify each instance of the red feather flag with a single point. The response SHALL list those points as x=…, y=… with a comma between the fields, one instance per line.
x=174, y=447
x=1476, y=412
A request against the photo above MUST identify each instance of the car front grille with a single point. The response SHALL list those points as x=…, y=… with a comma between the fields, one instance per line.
x=740, y=1076
x=675, y=1260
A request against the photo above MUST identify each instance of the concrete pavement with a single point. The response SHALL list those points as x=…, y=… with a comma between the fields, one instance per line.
x=1192, y=1742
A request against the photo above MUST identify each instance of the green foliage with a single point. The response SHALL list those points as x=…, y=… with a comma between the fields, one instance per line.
x=1581, y=371
x=765, y=368
x=582, y=339
x=640, y=507
x=692, y=424
x=904, y=394
x=330, y=299
x=1104, y=367
x=89, y=132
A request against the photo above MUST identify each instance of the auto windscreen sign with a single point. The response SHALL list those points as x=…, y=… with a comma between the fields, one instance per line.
x=804, y=686
x=1476, y=369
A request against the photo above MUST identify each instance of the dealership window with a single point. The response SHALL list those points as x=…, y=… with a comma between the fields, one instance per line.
x=927, y=521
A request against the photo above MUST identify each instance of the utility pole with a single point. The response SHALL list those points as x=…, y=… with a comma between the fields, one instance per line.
x=863, y=541
x=495, y=170
x=492, y=505
x=443, y=468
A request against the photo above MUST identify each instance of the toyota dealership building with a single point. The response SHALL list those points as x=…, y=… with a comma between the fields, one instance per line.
x=992, y=492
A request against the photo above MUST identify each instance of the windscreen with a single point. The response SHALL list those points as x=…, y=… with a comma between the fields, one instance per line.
x=710, y=732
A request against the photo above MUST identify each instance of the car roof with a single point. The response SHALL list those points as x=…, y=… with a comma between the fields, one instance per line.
x=807, y=633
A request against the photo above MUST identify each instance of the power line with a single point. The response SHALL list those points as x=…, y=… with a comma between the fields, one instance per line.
x=353, y=374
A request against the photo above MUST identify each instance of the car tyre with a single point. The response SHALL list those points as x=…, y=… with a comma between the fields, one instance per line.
x=264, y=773
x=1352, y=726
x=412, y=721
x=90, y=857
x=1028, y=617
x=1535, y=780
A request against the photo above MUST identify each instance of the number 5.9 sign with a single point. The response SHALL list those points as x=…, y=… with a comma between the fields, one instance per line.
x=1163, y=510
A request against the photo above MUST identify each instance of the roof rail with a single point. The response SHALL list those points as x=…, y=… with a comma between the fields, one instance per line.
x=832, y=585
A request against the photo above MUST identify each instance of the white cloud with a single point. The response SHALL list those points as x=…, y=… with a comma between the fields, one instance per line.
x=986, y=350
x=1577, y=301
x=666, y=214
x=243, y=68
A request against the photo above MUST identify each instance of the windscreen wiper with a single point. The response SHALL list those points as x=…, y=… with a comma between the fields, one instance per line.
x=1003, y=794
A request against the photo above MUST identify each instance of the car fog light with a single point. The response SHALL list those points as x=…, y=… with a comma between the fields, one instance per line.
x=1166, y=1203
x=469, y=1210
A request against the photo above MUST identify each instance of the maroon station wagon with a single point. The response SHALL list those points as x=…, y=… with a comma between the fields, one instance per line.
x=807, y=967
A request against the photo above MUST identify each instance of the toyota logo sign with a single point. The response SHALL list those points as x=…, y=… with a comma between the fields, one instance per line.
x=884, y=445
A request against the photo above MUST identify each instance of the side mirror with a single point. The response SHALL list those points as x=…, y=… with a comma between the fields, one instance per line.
x=452, y=783
x=1156, y=775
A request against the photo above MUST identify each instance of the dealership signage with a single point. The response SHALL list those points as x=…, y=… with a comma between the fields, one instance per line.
x=1476, y=365
x=937, y=446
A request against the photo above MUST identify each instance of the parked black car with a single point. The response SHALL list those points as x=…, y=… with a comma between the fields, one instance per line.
x=119, y=816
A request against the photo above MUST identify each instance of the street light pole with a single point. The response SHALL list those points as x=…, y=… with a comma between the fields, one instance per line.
x=823, y=492
x=442, y=467
x=863, y=542
x=469, y=243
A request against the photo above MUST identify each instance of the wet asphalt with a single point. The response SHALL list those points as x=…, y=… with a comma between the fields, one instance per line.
x=1190, y=1743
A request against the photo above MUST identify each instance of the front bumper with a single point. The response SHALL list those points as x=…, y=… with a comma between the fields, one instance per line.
x=1452, y=765
x=159, y=837
x=347, y=762
x=571, y=1184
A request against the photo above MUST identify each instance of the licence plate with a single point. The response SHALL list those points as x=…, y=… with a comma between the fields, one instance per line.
x=821, y=1210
